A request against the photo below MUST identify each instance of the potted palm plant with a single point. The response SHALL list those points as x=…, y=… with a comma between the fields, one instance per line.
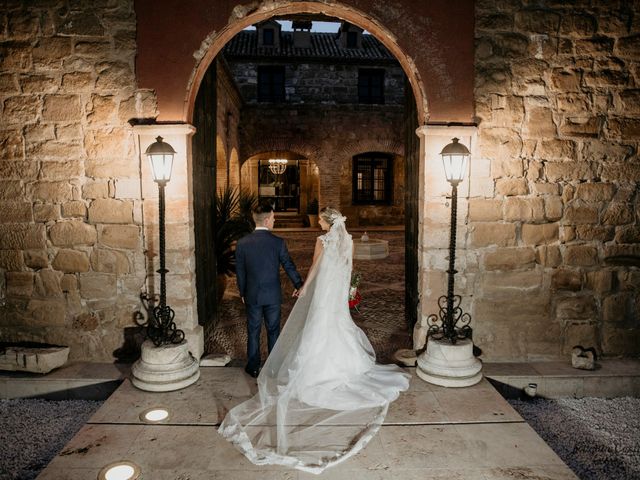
x=233, y=221
x=312, y=212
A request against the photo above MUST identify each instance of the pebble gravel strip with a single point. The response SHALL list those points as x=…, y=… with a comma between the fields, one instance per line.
x=33, y=431
x=598, y=438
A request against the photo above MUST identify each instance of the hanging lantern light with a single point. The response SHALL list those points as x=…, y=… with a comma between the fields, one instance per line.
x=278, y=165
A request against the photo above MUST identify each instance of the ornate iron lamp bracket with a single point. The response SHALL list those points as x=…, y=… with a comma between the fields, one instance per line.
x=159, y=322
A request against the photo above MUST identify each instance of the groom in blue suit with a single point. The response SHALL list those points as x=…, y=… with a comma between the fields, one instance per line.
x=258, y=259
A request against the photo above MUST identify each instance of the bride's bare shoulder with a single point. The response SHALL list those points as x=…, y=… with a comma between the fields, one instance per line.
x=322, y=240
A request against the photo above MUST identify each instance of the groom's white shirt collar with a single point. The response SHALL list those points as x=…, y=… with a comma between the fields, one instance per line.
x=262, y=228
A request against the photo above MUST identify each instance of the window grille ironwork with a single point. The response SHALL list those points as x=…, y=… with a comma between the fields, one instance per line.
x=372, y=179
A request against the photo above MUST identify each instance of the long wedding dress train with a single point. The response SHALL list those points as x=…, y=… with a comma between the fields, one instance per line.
x=321, y=396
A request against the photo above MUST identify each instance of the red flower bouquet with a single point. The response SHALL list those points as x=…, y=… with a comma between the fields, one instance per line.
x=354, y=295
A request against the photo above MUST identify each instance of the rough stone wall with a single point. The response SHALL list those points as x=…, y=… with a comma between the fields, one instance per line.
x=558, y=107
x=330, y=137
x=71, y=258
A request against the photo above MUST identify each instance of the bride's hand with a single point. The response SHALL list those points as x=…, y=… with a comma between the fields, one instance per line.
x=302, y=291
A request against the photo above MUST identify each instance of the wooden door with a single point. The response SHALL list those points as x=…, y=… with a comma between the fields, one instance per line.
x=204, y=189
x=411, y=181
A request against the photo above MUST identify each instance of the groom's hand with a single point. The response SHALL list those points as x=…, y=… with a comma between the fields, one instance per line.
x=296, y=293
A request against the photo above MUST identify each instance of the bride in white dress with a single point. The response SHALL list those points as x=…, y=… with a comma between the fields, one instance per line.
x=321, y=396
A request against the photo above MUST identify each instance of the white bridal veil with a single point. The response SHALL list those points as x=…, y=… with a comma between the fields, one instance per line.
x=321, y=396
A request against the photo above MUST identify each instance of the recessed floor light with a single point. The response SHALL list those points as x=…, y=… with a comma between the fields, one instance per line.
x=123, y=470
x=154, y=415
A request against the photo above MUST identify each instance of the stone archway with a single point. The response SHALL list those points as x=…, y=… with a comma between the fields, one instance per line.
x=211, y=46
x=329, y=192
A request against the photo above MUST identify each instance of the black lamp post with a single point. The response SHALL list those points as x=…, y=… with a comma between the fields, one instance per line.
x=161, y=329
x=451, y=323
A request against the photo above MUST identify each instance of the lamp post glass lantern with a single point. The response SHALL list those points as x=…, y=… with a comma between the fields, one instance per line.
x=451, y=323
x=161, y=329
x=455, y=157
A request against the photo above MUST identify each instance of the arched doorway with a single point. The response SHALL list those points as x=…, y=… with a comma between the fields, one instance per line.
x=204, y=174
x=290, y=191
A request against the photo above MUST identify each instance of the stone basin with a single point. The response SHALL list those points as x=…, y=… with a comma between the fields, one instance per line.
x=372, y=249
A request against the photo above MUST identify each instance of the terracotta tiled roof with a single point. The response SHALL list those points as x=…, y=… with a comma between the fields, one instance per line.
x=323, y=45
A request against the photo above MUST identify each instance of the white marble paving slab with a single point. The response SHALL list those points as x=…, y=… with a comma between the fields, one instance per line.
x=431, y=433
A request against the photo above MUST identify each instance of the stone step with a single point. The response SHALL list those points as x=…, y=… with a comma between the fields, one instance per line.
x=611, y=378
x=290, y=220
x=96, y=381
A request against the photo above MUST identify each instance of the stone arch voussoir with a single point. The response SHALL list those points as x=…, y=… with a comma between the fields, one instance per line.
x=274, y=144
x=351, y=149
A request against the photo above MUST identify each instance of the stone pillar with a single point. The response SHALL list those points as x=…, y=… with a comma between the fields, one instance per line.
x=180, y=235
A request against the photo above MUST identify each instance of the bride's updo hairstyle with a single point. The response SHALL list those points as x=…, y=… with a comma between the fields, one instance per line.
x=330, y=215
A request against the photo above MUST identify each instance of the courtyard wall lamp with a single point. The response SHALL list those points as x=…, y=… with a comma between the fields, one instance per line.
x=161, y=329
x=448, y=359
x=451, y=323
x=165, y=362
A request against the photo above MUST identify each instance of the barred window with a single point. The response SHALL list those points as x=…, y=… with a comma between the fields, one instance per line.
x=372, y=179
x=271, y=83
x=371, y=85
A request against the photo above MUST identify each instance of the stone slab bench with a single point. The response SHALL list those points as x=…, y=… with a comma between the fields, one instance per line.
x=35, y=359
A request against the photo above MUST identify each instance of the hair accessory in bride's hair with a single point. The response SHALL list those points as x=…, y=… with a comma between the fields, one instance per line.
x=332, y=216
x=337, y=218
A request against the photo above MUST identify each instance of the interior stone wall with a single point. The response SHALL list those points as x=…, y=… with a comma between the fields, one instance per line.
x=72, y=263
x=229, y=103
x=550, y=246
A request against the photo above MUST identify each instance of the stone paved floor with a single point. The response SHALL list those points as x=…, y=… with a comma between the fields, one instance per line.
x=430, y=433
x=381, y=312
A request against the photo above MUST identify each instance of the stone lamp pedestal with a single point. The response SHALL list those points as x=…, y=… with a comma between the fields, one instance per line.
x=165, y=368
x=448, y=365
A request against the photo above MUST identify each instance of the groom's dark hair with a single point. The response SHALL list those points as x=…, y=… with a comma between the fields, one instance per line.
x=261, y=211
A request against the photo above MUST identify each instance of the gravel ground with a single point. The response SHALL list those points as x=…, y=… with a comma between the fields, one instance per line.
x=598, y=438
x=33, y=431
